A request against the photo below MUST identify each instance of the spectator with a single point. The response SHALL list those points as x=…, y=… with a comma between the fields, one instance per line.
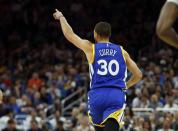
x=59, y=126
x=154, y=103
x=166, y=125
x=34, y=126
x=46, y=96
x=83, y=108
x=147, y=125
x=13, y=105
x=139, y=124
x=136, y=101
x=144, y=103
x=56, y=121
x=35, y=82
x=8, y=115
x=128, y=126
x=75, y=113
x=84, y=124
x=11, y=126
x=170, y=103
x=129, y=114
x=153, y=121
x=175, y=123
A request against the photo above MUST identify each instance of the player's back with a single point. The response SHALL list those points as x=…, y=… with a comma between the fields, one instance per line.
x=108, y=69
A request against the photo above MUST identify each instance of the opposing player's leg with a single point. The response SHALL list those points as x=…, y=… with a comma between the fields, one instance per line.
x=1, y=97
x=167, y=18
x=111, y=125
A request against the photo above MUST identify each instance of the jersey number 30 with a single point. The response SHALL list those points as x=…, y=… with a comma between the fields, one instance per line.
x=107, y=67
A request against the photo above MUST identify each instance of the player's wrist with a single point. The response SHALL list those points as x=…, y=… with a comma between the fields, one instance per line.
x=127, y=86
x=61, y=16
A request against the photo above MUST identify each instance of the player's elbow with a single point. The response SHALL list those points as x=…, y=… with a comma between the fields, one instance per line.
x=139, y=75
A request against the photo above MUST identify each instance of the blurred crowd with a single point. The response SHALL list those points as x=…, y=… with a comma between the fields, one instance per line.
x=157, y=91
x=39, y=68
x=36, y=80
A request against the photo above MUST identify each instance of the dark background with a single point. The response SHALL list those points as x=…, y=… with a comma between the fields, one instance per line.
x=133, y=23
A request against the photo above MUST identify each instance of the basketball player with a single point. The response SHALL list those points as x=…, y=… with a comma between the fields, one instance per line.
x=167, y=17
x=108, y=64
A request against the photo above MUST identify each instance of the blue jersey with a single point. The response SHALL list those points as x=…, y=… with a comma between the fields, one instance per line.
x=108, y=68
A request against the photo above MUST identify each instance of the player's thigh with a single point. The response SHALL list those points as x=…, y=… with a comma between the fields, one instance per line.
x=95, y=107
x=97, y=128
x=111, y=125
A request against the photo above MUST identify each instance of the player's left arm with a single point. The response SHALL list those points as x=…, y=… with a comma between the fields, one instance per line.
x=133, y=68
x=69, y=34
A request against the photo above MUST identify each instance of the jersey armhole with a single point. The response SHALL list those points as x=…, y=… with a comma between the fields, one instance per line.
x=123, y=54
x=93, y=54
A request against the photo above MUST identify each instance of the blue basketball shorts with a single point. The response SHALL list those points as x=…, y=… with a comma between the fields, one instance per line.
x=105, y=103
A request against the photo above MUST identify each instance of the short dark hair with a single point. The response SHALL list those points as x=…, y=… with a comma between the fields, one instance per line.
x=11, y=121
x=103, y=29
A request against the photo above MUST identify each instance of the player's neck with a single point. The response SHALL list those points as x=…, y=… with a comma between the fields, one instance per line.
x=103, y=41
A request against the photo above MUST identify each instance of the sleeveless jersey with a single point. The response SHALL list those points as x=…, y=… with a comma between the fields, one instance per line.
x=108, y=68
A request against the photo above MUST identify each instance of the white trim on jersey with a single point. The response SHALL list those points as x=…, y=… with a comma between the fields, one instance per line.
x=91, y=72
x=121, y=116
x=125, y=76
x=174, y=1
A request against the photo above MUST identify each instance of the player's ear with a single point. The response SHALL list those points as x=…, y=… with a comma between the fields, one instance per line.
x=95, y=35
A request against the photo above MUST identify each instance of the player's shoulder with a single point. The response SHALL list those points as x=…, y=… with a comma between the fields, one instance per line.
x=116, y=44
x=87, y=42
x=173, y=1
x=87, y=45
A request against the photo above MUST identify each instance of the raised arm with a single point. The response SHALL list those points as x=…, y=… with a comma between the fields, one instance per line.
x=164, y=28
x=132, y=67
x=82, y=44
